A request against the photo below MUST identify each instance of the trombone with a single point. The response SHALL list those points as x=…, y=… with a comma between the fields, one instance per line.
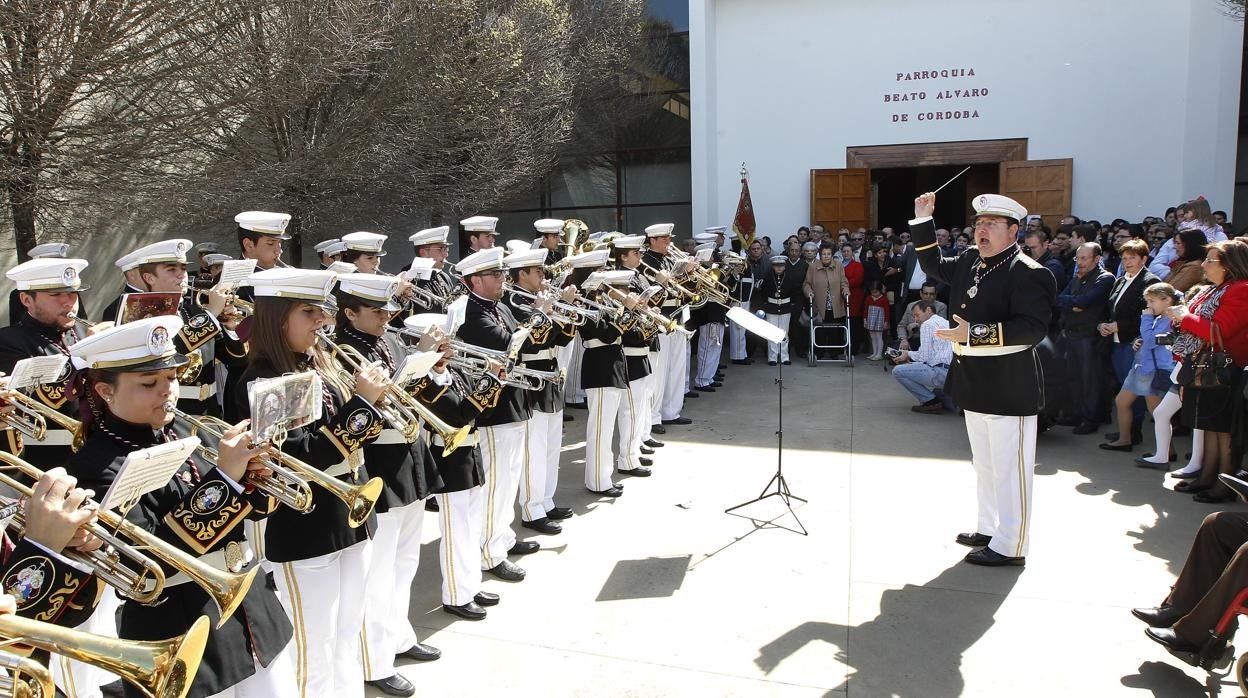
x=479, y=360
x=227, y=589
x=30, y=417
x=400, y=410
x=568, y=313
x=289, y=483
x=159, y=669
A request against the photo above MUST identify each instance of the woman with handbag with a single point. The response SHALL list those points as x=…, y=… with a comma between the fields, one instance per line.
x=1213, y=343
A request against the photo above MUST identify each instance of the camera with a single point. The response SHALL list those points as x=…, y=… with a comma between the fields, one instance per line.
x=1166, y=339
x=892, y=353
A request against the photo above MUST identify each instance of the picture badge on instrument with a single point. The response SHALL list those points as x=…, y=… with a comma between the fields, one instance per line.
x=29, y=581
x=209, y=498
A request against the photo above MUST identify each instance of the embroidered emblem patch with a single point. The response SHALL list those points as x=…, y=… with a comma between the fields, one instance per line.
x=209, y=498
x=69, y=277
x=28, y=582
x=358, y=421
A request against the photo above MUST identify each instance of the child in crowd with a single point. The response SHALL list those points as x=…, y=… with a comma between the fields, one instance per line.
x=1150, y=375
x=876, y=319
x=1164, y=412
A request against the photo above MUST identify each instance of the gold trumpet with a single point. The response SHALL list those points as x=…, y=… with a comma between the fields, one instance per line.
x=27, y=678
x=289, y=483
x=399, y=408
x=159, y=669
x=227, y=589
x=30, y=417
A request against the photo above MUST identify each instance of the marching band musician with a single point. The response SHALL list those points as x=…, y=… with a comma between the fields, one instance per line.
x=431, y=243
x=129, y=377
x=457, y=399
x=365, y=305
x=714, y=315
x=540, y=474
x=364, y=250
x=634, y=417
x=48, y=290
x=214, y=263
x=778, y=290
x=203, y=279
x=329, y=251
x=207, y=331
x=481, y=231
x=604, y=373
x=321, y=560
x=260, y=237
x=581, y=265
x=48, y=250
x=742, y=296
x=672, y=367
x=490, y=324
x=549, y=232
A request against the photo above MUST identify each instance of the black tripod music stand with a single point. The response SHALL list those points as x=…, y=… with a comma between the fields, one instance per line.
x=777, y=486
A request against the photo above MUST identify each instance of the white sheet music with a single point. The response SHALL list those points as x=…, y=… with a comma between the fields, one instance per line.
x=37, y=370
x=415, y=365
x=147, y=470
x=235, y=272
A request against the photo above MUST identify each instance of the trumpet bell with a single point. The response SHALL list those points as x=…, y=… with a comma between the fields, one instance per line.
x=360, y=504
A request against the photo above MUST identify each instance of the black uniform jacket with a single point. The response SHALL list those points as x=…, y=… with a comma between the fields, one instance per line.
x=407, y=468
x=23, y=340
x=603, y=365
x=342, y=432
x=440, y=283
x=458, y=404
x=636, y=342
x=490, y=324
x=542, y=356
x=780, y=293
x=45, y=586
x=202, y=335
x=997, y=371
x=198, y=511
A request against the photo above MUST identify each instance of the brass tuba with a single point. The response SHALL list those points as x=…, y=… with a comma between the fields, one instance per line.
x=573, y=237
x=27, y=678
x=227, y=589
x=159, y=669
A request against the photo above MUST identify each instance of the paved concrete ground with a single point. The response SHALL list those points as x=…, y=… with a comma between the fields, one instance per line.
x=660, y=593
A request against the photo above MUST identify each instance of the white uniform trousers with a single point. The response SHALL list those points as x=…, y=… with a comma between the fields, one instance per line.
x=676, y=347
x=570, y=355
x=504, y=449
x=540, y=474
x=688, y=366
x=604, y=403
x=779, y=351
x=710, y=344
x=1003, y=451
x=736, y=337
x=460, y=515
x=396, y=555
x=633, y=423
x=658, y=380
x=254, y=530
x=277, y=680
x=325, y=598
x=78, y=680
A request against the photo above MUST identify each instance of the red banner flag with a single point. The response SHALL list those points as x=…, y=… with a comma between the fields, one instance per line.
x=743, y=224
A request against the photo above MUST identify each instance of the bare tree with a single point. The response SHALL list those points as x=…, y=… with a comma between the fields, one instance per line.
x=98, y=101
x=405, y=107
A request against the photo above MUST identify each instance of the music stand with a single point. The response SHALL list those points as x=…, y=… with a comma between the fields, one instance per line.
x=781, y=486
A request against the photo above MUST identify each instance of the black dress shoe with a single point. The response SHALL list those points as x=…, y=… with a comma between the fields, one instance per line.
x=1084, y=428
x=1237, y=483
x=485, y=598
x=1191, y=487
x=613, y=491
x=559, y=513
x=543, y=525
x=420, y=653
x=431, y=504
x=647, y=451
x=1159, y=617
x=704, y=388
x=679, y=421
x=1150, y=455
x=1144, y=462
x=524, y=547
x=507, y=571
x=991, y=558
x=646, y=461
x=658, y=429
x=394, y=686
x=771, y=363
x=1185, y=475
x=742, y=362
x=578, y=405
x=973, y=540
x=788, y=363
x=691, y=394
x=1169, y=639
x=654, y=443
x=639, y=471
x=1107, y=446
x=469, y=611
x=1212, y=496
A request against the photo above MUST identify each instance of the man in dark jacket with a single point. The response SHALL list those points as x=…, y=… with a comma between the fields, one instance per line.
x=1082, y=305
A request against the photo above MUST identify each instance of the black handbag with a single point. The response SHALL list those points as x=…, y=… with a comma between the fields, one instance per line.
x=1209, y=367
